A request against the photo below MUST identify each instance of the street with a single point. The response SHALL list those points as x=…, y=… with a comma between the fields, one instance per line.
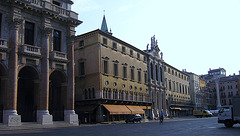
x=179, y=126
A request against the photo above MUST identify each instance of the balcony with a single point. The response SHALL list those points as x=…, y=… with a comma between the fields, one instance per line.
x=31, y=50
x=59, y=56
x=51, y=7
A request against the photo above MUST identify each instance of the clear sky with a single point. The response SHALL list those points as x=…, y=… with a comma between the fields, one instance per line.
x=192, y=34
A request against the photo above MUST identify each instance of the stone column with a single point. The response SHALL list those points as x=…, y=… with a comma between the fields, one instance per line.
x=10, y=116
x=43, y=116
x=218, y=94
x=69, y=114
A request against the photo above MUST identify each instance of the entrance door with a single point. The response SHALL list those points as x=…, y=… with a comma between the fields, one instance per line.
x=26, y=106
x=56, y=96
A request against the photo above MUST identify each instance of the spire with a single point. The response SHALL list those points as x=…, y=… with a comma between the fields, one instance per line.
x=104, y=27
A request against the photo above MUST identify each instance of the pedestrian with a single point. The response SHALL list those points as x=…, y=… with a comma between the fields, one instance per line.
x=161, y=117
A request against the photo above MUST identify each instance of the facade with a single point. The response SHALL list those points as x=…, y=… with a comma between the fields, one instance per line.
x=178, y=99
x=111, y=78
x=196, y=94
x=156, y=80
x=37, y=63
x=228, y=87
x=206, y=95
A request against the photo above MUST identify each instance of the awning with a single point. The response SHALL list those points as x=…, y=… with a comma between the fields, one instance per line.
x=146, y=107
x=117, y=109
x=135, y=109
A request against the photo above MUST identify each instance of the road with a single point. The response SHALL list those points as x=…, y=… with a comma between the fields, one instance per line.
x=170, y=127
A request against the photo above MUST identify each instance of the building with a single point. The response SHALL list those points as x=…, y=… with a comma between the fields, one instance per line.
x=206, y=95
x=111, y=77
x=213, y=74
x=196, y=94
x=156, y=78
x=37, y=63
x=178, y=99
x=228, y=87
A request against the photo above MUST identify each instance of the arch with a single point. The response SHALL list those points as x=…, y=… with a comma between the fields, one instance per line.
x=3, y=75
x=27, y=95
x=57, y=94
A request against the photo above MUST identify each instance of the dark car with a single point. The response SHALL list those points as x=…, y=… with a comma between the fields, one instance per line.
x=134, y=118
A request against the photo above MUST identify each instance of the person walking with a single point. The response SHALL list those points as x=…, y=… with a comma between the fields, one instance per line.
x=161, y=117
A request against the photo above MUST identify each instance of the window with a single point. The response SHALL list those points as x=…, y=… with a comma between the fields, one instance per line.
x=86, y=94
x=124, y=72
x=115, y=69
x=145, y=77
x=151, y=67
x=156, y=72
x=29, y=33
x=0, y=25
x=161, y=76
x=104, y=41
x=82, y=69
x=89, y=93
x=144, y=59
x=170, y=87
x=56, y=40
x=132, y=74
x=138, y=56
x=131, y=52
x=56, y=3
x=105, y=67
x=123, y=49
x=114, y=46
x=93, y=93
x=139, y=76
x=81, y=43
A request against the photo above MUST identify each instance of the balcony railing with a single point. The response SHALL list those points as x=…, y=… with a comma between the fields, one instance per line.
x=50, y=6
x=29, y=49
x=59, y=55
x=3, y=43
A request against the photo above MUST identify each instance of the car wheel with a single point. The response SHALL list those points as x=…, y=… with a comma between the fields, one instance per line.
x=228, y=123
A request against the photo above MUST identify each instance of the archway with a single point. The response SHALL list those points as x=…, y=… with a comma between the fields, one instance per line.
x=27, y=93
x=57, y=91
x=3, y=78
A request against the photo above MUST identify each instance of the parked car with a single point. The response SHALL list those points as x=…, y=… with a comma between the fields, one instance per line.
x=134, y=118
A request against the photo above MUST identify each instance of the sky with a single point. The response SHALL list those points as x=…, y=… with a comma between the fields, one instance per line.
x=192, y=34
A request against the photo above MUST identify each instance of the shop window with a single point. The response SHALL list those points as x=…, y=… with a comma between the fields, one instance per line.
x=29, y=33
x=56, y=40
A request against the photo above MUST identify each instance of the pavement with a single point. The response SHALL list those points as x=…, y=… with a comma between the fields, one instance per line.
x=62, y=124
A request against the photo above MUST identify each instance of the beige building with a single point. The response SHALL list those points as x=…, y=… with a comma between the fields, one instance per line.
x=37, y=63
x=111, y=77
x=177, y=85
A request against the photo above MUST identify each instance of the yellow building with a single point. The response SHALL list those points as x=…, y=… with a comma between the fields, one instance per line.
x=111, y=78
x=178, y=98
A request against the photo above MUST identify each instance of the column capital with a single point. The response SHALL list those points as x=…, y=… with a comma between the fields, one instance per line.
x=16, y=23
x=46, y=31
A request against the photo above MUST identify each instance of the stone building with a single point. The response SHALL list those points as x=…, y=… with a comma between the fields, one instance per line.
x=111, y=77
x=228, y=87
x=156, y=80
x=196, y=94
x=178, y=99
x=37, y=62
